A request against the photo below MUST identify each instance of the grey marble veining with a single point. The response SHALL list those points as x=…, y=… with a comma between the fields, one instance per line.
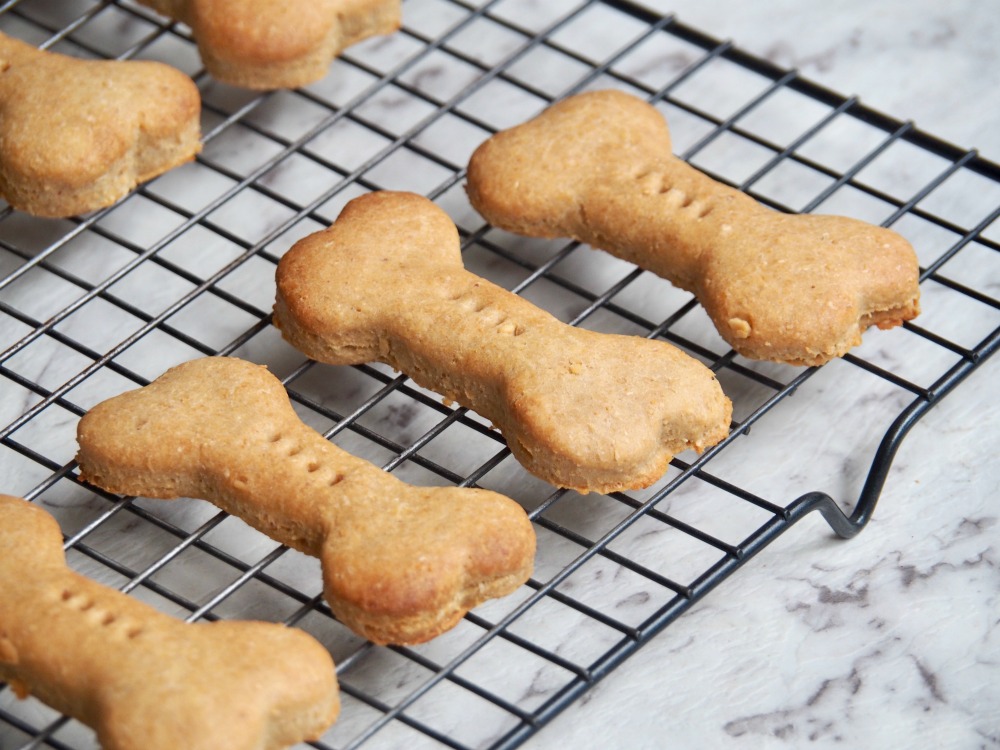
x=936, y=64
x=888, y=640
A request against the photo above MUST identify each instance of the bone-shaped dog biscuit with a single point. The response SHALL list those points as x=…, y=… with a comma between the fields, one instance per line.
x=401, y=564
x=791, y=288
x=270, y=44
x=580, y=409
x=77, y=135
x=141, y=679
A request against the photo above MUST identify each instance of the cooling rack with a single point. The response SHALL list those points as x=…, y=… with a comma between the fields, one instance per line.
x=184, y=268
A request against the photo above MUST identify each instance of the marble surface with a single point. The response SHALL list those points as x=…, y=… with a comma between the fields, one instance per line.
x=887, y=640
x=933, y=63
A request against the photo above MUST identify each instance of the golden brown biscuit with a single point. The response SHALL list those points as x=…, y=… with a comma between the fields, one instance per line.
x=140, y=679
x=77, y=135
x=597, y=167
x=591, y=411
x=269, y=44
x=401, y=564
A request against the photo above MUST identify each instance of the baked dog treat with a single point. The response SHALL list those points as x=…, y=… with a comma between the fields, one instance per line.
x=597, y=167
x=401, y=564
x=141, y=679
x=267, y=44
x=580, y=409
x=77, y=135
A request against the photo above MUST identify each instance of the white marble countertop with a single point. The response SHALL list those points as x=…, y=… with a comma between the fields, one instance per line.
x=935, y=64
x=887, y=640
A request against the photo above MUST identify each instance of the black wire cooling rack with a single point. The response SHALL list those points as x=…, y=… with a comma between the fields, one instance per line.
x=184, y=268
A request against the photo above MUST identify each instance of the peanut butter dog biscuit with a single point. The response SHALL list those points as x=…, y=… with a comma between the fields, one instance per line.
x=77, y=135
x=401, y=564
x=140, y=679
x=578, y=409
x=597, y=167
x=269, y=44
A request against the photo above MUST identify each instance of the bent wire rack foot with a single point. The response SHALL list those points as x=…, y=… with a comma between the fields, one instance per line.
x=184, y=267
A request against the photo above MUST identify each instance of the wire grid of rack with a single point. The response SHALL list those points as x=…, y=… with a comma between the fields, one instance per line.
x=184, y=268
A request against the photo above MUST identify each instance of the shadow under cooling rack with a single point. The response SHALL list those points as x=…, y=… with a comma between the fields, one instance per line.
x=184, y=268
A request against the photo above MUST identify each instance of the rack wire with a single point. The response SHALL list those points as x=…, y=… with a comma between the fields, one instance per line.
x=184, y=268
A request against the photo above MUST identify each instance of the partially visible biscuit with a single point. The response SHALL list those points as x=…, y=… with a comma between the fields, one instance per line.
x=77, y=135
x=265, y=44
x=580, y=409
x=141, y=679
x=597, y=167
